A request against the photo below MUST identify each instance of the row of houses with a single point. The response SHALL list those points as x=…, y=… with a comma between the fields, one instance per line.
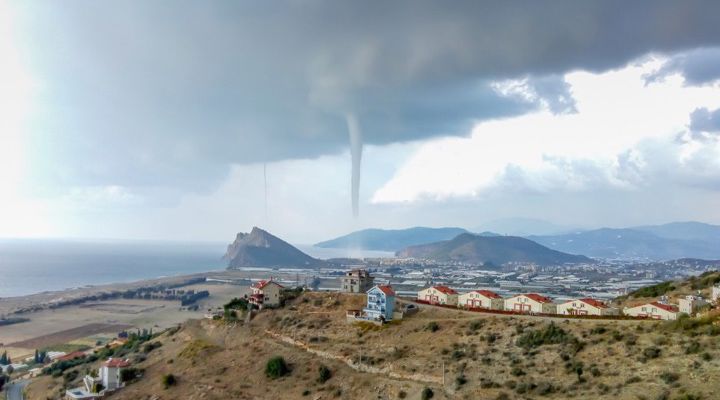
x=533, y=303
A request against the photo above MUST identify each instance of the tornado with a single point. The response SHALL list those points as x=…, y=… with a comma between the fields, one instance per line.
x=356, y=148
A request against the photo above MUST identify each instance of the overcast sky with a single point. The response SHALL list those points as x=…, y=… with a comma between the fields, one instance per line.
x=137, y=119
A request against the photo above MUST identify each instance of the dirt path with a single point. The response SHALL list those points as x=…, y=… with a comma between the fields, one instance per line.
x=385, y=371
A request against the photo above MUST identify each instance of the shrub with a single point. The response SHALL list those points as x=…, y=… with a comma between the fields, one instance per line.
x=427, y=394
x=669, y=377
x=402, y=394
x=651, y=352
x=324, y=374
x=306, y=392
x=517, y=371
x=693, y=348
x=276, y=368
x=550, y=334
x=148, y=347
x=460, y=380
x=654, y=290
x=169, y=380
x=706, y=356
x=433, y=326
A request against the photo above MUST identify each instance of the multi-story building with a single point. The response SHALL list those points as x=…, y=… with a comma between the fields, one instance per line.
x=266, y=293
x=357, y=281
x=380, y=303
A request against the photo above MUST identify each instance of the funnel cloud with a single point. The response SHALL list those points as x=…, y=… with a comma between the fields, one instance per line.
x=356, y=148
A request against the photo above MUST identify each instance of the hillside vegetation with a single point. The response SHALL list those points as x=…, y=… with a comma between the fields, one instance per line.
x=307, y=351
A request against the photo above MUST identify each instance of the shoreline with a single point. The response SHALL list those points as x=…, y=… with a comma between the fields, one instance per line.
x=27, y=304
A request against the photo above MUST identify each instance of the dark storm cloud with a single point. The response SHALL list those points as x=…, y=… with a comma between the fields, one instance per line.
x=704, y=121
x=138, y=93
x=698, y=66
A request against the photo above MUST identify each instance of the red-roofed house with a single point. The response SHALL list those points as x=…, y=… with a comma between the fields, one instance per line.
x=380, y=303
x=654, y=310
x=266, y=293
x=481, y=299
x=586, y=306
x=439, y=294
x=530, y=303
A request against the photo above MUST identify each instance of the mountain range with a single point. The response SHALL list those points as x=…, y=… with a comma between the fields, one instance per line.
x=658, y=242
x=391, y=239
x=496, y=250
x=651, y=242
x=261, y=249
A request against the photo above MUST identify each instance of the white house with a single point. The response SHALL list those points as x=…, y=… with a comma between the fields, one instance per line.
x=586, y=306
x=715, y=297
x=481, y=299
x=654, y=310
x=109, y=379
x=439, y=295
x=690, y=304
x=266, y=293
x=530, y=303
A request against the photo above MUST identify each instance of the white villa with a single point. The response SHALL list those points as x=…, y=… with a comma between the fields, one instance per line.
x=654, y=310
x=439, y=294
x=481, y=299
x=530, y=303
x=109, y=379
x=586, y=306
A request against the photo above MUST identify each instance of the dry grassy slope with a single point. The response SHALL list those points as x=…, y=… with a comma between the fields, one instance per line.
x=213, y=360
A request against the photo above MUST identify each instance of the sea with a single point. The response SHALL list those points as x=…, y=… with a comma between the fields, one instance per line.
x=29, y=266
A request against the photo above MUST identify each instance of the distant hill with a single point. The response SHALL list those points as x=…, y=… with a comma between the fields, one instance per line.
x=685, y=231
x=391, y=239
x=261, y=249
x=523, y=227
x=629, y=243
x=496, y=250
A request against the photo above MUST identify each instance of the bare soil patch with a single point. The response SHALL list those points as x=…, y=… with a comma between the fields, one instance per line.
x=68, y=335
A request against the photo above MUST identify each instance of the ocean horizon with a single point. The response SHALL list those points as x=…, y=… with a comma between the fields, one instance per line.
x=29, y=266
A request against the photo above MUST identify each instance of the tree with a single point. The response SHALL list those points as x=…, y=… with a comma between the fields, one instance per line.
x=4, y=359
x=276, y=368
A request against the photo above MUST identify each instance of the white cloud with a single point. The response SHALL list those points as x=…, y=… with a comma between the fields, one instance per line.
x=623, y=135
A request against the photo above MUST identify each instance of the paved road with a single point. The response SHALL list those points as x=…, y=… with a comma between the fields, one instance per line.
x=15, y=390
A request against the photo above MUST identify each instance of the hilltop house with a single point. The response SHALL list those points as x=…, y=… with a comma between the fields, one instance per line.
x=585, y=306
x=530, y=303
x=109, y=379
x=356, y=281
x=266, y=293
x=715, y=297
x=654, y=310
x=380, y=303
x=690, y=304
x=481, y=299
x=439, y=295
